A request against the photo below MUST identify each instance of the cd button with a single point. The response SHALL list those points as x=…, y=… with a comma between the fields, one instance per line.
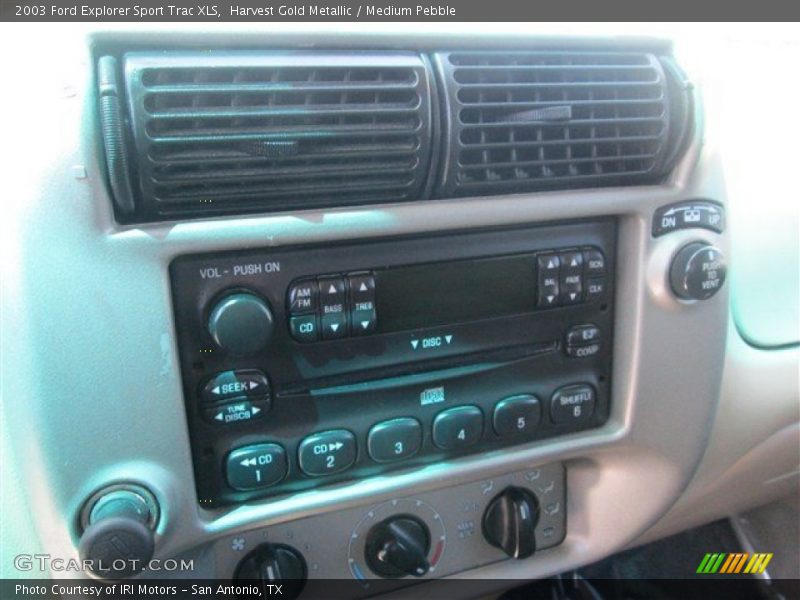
x=304, y=328
x=327, y=452
x=458, y=428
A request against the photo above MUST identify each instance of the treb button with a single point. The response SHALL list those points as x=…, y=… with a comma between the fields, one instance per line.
x=363, y=316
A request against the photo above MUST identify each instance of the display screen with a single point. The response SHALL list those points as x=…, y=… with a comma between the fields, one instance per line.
x=451, y=292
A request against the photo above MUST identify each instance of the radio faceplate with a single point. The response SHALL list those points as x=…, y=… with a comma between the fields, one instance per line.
x=472, y=342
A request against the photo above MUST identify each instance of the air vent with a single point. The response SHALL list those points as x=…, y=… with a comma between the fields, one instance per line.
x=522, y=121
x=219, y=133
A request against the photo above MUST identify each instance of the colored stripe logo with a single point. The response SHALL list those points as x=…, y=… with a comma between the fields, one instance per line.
x=732, y=563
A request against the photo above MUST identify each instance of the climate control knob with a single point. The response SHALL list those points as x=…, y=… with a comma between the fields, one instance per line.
x=398, y=547
x=241, y=323
x=271, y=565
x=509, y=522
x=697, y=272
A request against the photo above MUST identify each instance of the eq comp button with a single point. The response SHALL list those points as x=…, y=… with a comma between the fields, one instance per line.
x=327, y=452
x=572, y=404
x=458, y=428
x=254, y=467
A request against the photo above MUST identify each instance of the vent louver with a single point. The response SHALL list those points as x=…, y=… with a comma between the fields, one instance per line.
x=220, y=133
x=522, y=121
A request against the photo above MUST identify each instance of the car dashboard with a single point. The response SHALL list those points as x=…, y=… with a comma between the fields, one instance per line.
x=368, y=305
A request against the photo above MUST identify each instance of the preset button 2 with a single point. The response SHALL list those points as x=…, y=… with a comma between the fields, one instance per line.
x=327, y=452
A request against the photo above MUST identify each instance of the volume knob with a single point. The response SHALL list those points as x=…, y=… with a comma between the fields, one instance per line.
x=241, y=323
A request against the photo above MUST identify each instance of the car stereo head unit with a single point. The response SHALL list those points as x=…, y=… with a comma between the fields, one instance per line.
x=311, y=365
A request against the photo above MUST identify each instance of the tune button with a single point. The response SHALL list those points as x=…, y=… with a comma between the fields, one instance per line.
x=327, y=452
x=394, y=440
x=516, y=415
x=242, y=411
x=458, y=428
x=256, y=466
x=572, y=404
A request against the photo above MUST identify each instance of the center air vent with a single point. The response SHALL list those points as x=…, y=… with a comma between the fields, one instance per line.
x=220, y=133
x=522, y=121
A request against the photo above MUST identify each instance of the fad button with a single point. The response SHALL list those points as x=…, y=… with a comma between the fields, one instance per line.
x=572, y=404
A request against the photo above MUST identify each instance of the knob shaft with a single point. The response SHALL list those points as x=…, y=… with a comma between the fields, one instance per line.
x=274, y=564
x=398, y=547
x=509, y=522
x=697, y=271
x=118, y=540
x=241, y=323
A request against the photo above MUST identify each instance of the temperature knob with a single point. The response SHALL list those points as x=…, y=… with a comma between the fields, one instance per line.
x=398, y=547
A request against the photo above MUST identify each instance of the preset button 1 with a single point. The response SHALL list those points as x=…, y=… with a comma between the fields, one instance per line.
x=256, y=466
